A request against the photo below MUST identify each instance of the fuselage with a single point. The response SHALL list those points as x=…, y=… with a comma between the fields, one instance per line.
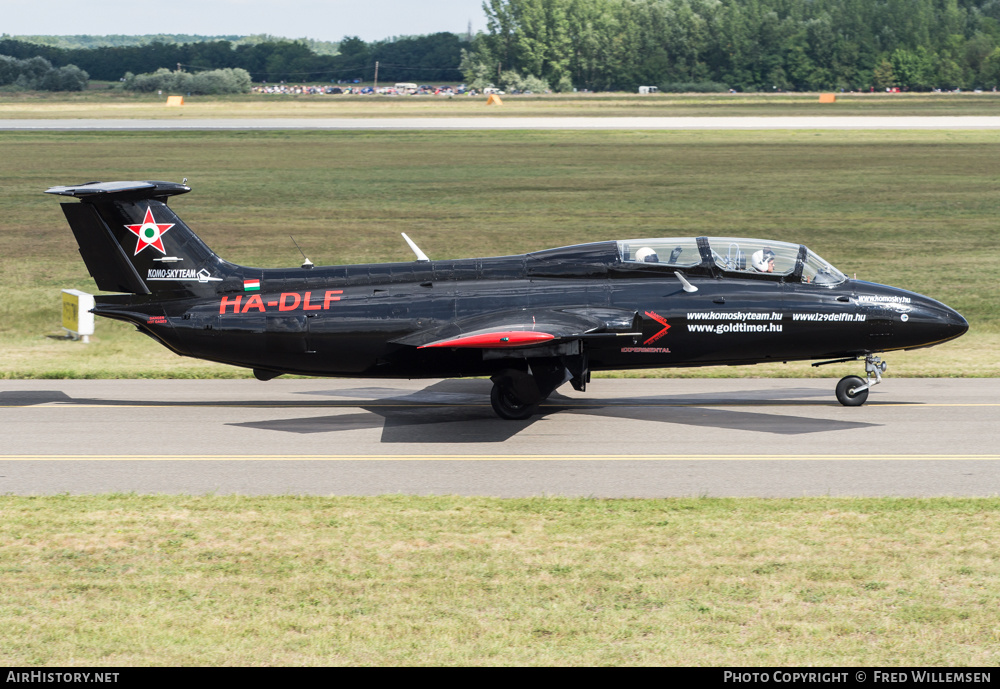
x=349, y=320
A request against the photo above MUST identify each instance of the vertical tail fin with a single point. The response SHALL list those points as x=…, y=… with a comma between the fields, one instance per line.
x=133, y=242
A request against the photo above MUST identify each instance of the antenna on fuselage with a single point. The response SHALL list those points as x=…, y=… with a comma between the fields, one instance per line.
x=421, y=256
x=306, y=263
x=688, y=287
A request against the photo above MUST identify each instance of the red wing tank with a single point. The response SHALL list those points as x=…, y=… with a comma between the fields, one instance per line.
x=530, y=322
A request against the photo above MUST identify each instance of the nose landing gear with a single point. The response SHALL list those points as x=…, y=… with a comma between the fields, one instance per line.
x=852, y=391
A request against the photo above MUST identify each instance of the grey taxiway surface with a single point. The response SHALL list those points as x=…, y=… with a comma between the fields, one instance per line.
x=492, y=123
x=642, y=438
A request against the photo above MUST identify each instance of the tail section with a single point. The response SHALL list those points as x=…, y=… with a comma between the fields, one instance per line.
x=133, y=242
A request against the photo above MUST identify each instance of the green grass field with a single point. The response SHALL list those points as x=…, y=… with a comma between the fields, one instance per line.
x=174, y=580
x=912, y=209
x=227, y=580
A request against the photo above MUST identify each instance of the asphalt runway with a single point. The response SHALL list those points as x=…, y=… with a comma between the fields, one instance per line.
x=492, y=123
x=623, y=438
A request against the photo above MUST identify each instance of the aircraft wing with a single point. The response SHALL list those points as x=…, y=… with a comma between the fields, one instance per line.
x=527, y=328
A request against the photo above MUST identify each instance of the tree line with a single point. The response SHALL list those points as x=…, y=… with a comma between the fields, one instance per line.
x=748, y=45
x=121, y=40
x=605, y=45
x=418, y=58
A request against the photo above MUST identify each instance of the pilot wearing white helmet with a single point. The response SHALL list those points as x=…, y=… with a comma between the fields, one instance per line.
x=646, y=255
x=763, y=261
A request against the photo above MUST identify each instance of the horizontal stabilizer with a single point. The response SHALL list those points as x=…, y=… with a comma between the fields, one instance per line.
x=130, y=190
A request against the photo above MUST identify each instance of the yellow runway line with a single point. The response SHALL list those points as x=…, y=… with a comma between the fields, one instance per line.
x=496, y=458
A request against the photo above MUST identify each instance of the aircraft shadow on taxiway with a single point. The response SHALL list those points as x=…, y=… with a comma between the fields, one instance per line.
x=458, y=411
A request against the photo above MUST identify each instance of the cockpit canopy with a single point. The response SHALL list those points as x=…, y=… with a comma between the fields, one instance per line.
x=733, y=255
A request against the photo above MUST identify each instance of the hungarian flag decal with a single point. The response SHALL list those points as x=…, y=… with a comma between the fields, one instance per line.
x=251, y=285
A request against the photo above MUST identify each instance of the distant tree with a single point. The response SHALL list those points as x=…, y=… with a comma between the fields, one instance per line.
x=976, y=50
x=511, y=81
x=9, y=70
x=37, y=73
x=476, y=71
x=67, y=78
x=947, y=74
x=435, y=57
x=883, y=77
x=209, y=55
x=989, y=70
x=203, y=83
x=914, y=69
x=353, y=47
x=33, y=70
x=693, y=87
x=218, y=81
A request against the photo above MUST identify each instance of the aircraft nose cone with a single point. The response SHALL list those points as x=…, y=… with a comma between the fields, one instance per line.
x=942, y=323
x=924, y=322
x=955, y=324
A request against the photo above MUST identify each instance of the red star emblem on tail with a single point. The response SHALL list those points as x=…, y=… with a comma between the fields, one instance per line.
x=149, y=232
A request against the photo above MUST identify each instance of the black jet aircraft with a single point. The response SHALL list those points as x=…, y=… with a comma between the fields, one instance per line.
x=530, y=322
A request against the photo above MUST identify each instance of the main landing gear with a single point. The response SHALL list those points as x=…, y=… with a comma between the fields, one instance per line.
x=508, y=405
x=852, y=391
x=517, y=393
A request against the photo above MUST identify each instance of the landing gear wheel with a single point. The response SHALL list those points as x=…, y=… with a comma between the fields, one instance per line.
x=846, y=394
x=507, y=406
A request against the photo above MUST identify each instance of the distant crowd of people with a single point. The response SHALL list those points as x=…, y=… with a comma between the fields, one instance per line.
x=331, y=89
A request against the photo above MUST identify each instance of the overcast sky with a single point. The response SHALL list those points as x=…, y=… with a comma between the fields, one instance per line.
x=327, y=20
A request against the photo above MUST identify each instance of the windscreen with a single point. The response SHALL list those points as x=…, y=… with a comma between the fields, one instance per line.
x=819, y=272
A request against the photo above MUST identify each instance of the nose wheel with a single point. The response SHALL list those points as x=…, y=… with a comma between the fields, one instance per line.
x=852, y=391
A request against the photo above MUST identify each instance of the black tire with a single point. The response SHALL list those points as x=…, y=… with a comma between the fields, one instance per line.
x=845, y=391
x=507, y=406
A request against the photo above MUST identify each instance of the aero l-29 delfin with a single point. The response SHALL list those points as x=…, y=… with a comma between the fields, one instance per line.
x=530, y=322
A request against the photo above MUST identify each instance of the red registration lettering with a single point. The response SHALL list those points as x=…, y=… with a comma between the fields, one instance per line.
x=254, y=302
x=289, y=302
x=307, y=306
x=284, y=306
x=230, y=301
x=330, y=297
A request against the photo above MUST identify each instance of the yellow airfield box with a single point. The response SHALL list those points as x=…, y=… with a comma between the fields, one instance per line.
x=175, y=100
x=77, y=318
